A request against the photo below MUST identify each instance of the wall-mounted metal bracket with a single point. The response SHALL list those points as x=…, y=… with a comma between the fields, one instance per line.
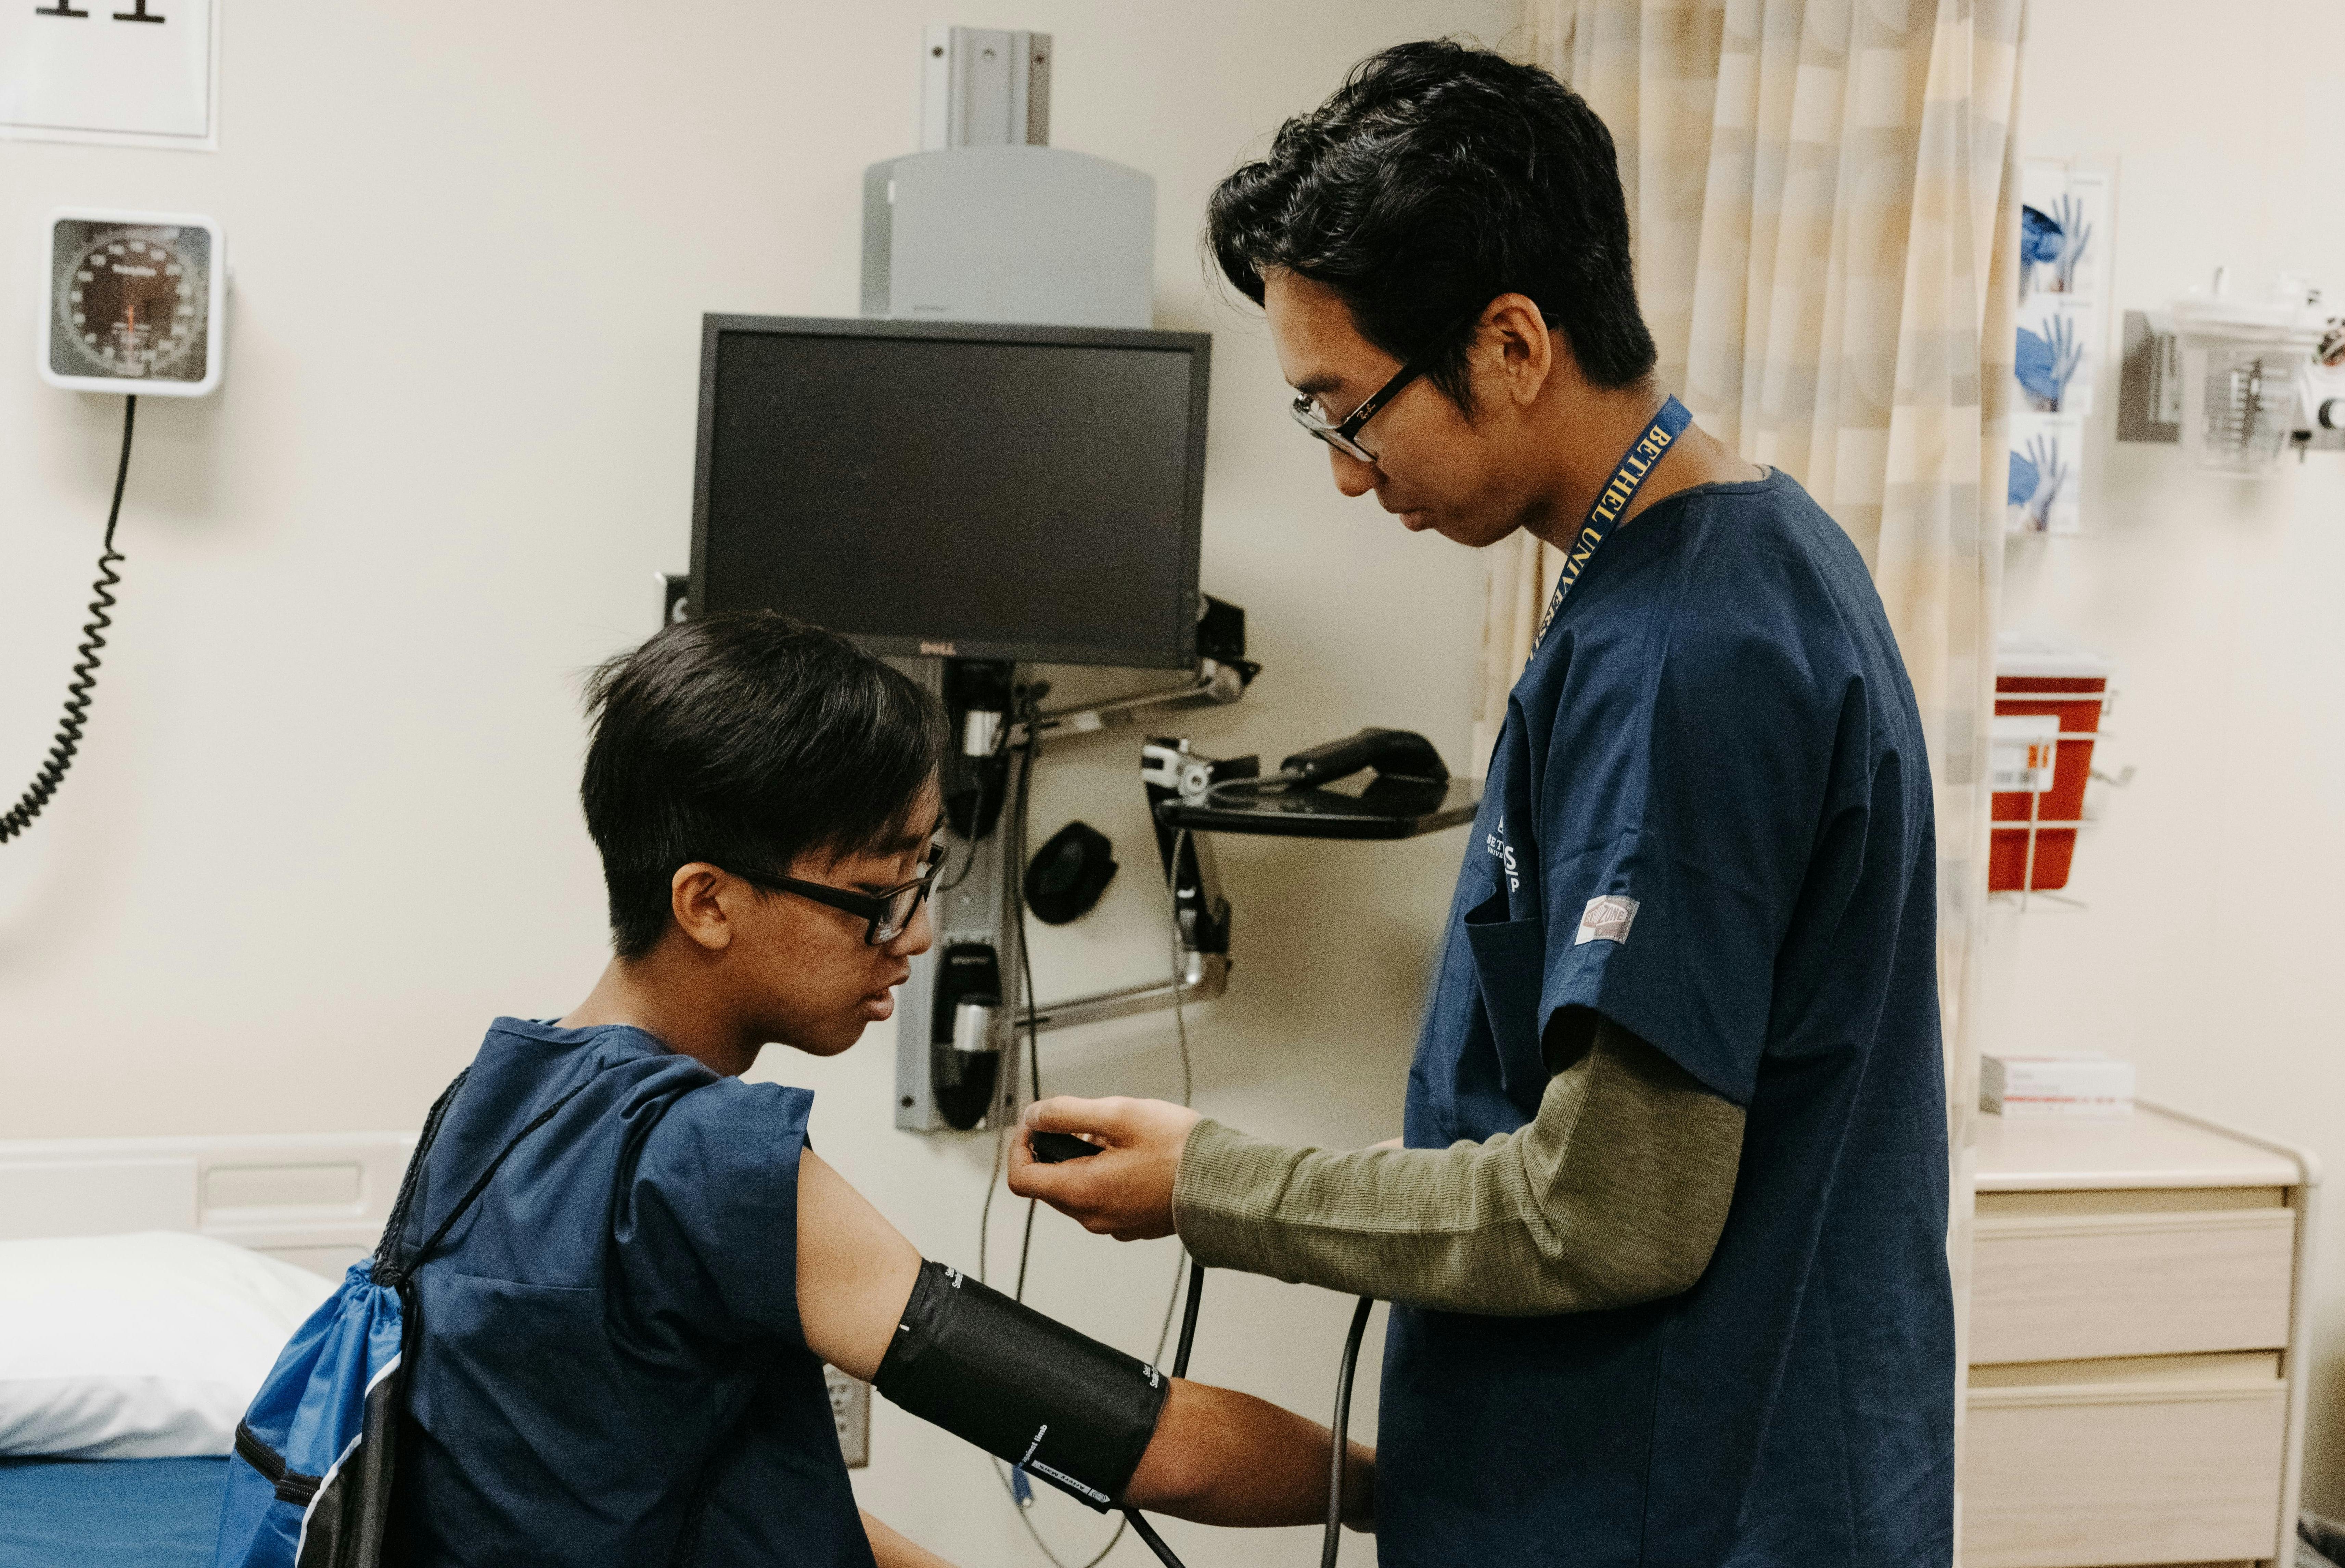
x=984, y=86
x=2149, y=387
x=1203, y=976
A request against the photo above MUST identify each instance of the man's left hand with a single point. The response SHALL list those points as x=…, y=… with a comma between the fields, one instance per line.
x=1126, y=1189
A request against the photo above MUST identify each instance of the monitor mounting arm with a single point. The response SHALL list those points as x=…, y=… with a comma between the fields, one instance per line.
x=1215, y=685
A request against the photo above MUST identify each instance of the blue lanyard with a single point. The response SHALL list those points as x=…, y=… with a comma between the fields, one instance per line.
x=1612, y=501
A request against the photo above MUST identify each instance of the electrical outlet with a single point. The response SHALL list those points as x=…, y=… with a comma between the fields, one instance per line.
x=850, y=1409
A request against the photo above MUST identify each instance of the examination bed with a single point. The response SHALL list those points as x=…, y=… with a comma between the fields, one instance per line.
x=316, y=1202
x=109, y=1512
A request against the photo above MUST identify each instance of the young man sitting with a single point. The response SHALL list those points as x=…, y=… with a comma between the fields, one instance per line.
x=618, y=1354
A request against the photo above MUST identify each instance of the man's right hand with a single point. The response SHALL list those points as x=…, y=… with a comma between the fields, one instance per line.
x=1126, y=1189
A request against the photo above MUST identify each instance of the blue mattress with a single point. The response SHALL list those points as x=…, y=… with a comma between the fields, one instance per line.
x=109, y=1512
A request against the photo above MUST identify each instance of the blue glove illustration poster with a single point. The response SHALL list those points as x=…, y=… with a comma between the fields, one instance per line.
x=2064, y=248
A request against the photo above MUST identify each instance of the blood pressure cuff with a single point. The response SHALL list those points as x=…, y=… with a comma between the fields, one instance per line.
x=1022, y=1387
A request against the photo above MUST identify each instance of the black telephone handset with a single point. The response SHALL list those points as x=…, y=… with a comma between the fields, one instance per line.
x=1394, y=753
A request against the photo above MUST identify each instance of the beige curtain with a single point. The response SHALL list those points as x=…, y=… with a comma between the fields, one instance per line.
x=1824, y=200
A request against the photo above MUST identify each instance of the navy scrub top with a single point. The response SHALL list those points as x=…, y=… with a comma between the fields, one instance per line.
x=609, y=1368
x=1708, y=819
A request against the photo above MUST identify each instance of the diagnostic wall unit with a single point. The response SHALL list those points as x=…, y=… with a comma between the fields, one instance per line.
x=1009, y=234
x=987, y=222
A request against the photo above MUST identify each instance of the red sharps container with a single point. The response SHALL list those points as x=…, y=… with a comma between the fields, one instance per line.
x=2049, y=701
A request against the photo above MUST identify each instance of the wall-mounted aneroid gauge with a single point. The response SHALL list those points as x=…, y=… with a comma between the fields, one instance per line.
x=136, y=303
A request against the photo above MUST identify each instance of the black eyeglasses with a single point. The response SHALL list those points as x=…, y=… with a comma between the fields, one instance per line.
x=1344, y=437
x=888, y=912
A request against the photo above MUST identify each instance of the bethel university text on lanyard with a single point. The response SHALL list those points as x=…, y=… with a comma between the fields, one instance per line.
x=1611, y=501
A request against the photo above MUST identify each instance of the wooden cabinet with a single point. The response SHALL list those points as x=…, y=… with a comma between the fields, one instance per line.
x=2136, y=1380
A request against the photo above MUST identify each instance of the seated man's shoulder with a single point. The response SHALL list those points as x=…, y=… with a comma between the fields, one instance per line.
x=723, y=1128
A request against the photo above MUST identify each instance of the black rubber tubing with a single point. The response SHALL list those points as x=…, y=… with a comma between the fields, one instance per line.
x=1334, y=1543
x=1146, y=1532
x=1188, y=1319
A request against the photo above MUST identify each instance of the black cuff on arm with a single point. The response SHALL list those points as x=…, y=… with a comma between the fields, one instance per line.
x=1021, y=1386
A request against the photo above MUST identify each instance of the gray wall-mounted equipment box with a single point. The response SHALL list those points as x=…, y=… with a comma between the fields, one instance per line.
x=1033, y=234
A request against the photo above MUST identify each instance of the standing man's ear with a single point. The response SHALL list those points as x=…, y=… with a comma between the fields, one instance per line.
x=1515, y=352
x=696, y=895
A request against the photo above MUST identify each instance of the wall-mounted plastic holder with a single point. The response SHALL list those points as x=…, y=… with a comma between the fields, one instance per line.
x=2049, y=699
x=2247, y=399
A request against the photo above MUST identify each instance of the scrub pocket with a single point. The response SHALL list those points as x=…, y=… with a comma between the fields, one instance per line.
x=1510, y=960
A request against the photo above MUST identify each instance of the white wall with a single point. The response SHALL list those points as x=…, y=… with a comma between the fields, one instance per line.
x=2210, y=949
x=323, y=828
x=324, y=825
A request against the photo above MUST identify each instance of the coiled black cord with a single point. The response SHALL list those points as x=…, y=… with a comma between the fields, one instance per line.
x=78, y=691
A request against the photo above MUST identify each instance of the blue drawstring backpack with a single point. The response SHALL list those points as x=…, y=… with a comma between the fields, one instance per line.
x=310, y=1486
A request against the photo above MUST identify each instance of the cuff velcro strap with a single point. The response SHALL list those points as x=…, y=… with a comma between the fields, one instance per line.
x=1021, y=1387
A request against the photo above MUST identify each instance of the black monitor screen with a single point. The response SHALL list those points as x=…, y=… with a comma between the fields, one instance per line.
x=981, y=491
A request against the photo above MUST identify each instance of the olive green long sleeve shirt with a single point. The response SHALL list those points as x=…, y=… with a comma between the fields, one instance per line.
x=1615, y=1193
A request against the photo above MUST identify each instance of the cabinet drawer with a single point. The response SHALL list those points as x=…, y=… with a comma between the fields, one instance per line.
x=2087, y=1475
x=2067, y=1287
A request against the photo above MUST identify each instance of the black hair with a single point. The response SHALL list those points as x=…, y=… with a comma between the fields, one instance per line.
x=746, y=740
x=1437, y=178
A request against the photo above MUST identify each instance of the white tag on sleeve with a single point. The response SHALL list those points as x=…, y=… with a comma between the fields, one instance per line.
x=1607, y=919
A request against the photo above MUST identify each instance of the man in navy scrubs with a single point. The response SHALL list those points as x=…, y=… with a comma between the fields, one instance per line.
x=1666, y=1240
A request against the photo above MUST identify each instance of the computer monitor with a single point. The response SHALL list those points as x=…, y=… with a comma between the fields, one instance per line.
x=972, y=491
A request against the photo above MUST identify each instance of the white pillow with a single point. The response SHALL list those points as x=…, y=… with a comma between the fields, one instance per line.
x=148, y=1346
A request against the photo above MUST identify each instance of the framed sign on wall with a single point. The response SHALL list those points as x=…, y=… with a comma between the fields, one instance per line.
x=139, y=73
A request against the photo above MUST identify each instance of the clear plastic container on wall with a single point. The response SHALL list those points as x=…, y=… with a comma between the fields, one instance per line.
x=2243, y=361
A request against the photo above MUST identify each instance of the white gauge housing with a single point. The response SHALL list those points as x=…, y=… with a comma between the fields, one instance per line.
x=136, y=302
